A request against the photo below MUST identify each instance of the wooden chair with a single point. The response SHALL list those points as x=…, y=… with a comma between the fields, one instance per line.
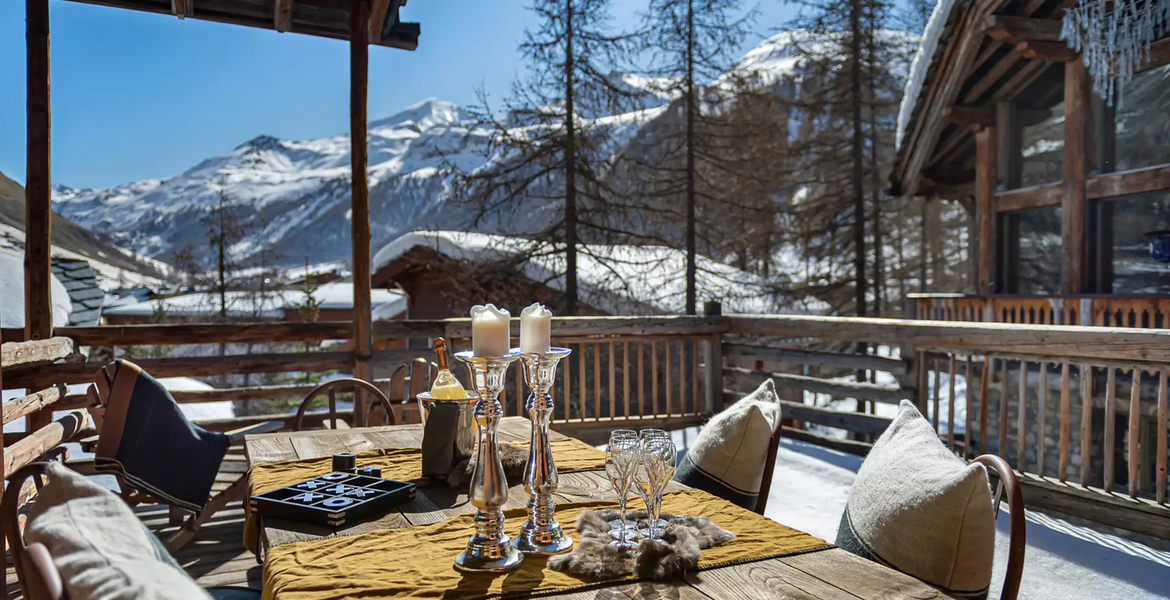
x=38, y=577
x=346, y=384
x=1017, y=535
x=407, y=382
x=769, y=466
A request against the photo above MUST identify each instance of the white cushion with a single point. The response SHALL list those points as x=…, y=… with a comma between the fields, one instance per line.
x=918, y=508
x=727, y=459
x=101, y=549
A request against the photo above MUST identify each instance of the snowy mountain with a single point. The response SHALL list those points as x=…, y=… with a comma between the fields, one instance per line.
x=294, y=195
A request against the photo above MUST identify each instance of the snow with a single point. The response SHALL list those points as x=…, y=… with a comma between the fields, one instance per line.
x=273, y=305
x=810, y=486
x=923, y=59
x=12, y=291
x=615, y=279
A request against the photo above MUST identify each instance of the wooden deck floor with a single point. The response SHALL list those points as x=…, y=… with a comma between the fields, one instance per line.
x=215, y=557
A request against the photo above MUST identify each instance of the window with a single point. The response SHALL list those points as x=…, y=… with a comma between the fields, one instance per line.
x=1042, y=149
x=1128, y=266
x=1033, y=251
x=1142, y=120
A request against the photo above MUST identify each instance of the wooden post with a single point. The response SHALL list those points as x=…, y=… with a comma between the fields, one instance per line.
x=38, y=305
x=985, y=153
x=1073, y=209
x=713, y=399
x=359, y=72
x=1008, y=145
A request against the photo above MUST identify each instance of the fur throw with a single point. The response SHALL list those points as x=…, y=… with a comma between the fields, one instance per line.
x=677, y=550
x=514, y=457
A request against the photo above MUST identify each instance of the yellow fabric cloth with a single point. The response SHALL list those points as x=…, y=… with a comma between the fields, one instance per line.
x=399, y=464
x=417, y=562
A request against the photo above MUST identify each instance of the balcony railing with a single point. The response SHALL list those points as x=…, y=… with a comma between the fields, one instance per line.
x=1148, y=312
x=1062, y=404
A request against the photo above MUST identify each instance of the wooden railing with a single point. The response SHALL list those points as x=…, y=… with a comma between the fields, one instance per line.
x=1148, y=312
x=1098, y=448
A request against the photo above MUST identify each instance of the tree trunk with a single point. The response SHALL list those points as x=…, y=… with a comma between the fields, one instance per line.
x=858, y=157
x=570, y=172
x=692, y=300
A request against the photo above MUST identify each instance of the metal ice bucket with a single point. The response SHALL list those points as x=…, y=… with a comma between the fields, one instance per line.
x=466, y=434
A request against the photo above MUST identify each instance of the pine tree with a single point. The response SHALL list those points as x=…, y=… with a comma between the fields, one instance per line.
x=549, y=146
x=225, y=227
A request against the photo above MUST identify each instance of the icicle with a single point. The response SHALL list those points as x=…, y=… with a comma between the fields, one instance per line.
x=1114, y=44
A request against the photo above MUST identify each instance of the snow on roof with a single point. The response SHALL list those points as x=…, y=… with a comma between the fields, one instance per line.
x=920, y=68
x=337, y=295
x=12, y=291
x=615, y=279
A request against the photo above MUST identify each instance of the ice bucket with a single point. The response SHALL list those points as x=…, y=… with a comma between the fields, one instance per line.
x=449, y=432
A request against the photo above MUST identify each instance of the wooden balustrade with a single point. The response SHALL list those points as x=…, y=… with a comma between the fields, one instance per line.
x=1147, y=312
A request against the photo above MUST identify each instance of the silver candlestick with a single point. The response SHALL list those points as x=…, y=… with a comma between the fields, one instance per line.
x=541, y=534
x=489, y=549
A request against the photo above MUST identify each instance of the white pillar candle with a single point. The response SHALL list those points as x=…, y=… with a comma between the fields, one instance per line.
x=535, y=329
x=489, y=330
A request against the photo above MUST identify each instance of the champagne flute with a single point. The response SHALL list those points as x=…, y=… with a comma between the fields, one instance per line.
x=647, y=434
x=621, y=457
x=655, y=467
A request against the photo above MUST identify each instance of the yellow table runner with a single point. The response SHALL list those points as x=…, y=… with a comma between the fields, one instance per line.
x=417, y=562
x=400, y=464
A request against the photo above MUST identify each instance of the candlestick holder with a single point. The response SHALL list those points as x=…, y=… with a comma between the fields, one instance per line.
x=541, y=533
x=489, y=549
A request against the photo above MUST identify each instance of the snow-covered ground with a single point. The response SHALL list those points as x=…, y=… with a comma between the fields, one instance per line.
x=811, y=484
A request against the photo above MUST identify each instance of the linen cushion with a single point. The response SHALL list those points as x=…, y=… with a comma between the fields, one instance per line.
x=101, y=549
x=918, y=508
x=727, y=458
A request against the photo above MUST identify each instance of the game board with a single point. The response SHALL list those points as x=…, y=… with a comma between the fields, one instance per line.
x=334, y=499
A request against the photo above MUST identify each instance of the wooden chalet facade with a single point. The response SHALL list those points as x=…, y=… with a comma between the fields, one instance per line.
x=1064, y=190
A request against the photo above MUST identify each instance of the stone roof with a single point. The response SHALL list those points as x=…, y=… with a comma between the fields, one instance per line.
x=81, y=284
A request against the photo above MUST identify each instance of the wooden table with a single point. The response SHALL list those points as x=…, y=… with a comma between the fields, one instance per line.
x=826, y=574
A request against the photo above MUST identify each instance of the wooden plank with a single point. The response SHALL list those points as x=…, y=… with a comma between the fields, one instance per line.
x=1103, y=343
x=612, y=380
x=641, y=380
x=934, y=395
x=1008, y=145
x=1135, y=398
x=1073, y=212
x=820, y=415
x=696, y=403
x=1163, y=426
x=38, y=208
x=616, y=326
x=765, y=579
x=627, y=364
x=1126, y=183
x=985, y=184
x=581, y=381
x=1007, y=63
x=654, y=378
x=1037, y=196
x=1048, y=51
x=1013, y=29
x=1003, y=410
x=359, y=74
x=282, y=11
x=968, y=430
x=951, y=404
x=1065, y=418
x=37, y=443
x=846, y=360
x=668, y=388
x=26, y=405
x=18, y=354
x=1110, y=435
x=740, y=379
x=839, y=444
x=1041, y=417
x=208, y=333
x=187, y=366
x=1086, y=420
x=1141, y=516
x=1022, y=420
x=379, y=10
x=979, y=116
x=858, y=576
x=567, y=384
x=596, y=378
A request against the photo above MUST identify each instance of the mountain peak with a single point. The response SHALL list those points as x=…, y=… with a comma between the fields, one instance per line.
x=429, y=112
x=262, y=142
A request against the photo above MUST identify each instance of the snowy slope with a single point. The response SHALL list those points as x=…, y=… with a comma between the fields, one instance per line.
x=295, y=194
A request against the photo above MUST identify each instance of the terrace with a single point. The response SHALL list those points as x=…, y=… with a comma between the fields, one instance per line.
x=1080, y=413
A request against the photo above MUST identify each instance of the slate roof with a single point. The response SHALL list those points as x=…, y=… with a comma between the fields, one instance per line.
x=81, y=283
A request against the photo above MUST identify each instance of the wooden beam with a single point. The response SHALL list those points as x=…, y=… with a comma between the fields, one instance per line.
x=1019, y=80
x=1074, y=205
x=832, y=443
x=1029, y=197
x=282, y=11
x=26, y=405
x=985, y=83
x=1008, y=145
x=1013, y=30
x=978, y=116
x=359, y=74
x=1053, y=51
x=811, y=357
x=985, y=153
x=183, y=8
x=745, y=380
x=379, y=10
x=208, y=333
x=1125, y=183
x=38, y=209
x=18, y=354
x=37, y=443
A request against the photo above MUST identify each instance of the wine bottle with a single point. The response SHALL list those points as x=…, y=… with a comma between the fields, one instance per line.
x=446, y=386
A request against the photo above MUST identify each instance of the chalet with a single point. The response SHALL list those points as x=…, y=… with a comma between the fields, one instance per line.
x=1068, y=194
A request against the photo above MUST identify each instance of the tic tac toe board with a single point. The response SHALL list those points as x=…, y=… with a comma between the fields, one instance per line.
x=334, y=499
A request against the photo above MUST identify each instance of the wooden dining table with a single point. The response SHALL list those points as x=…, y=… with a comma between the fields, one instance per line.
x=831, y=573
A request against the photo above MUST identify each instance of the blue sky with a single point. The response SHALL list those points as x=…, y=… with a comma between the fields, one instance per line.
x=138, y=95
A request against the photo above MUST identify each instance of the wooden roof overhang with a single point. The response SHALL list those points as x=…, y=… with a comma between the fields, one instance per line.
x=991, y=51
x=322, y=18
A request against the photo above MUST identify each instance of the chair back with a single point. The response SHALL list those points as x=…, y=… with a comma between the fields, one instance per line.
x=331, y=388
x=769, y=466
x=1017, y=535
x=406, y=383
x=38, y=577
